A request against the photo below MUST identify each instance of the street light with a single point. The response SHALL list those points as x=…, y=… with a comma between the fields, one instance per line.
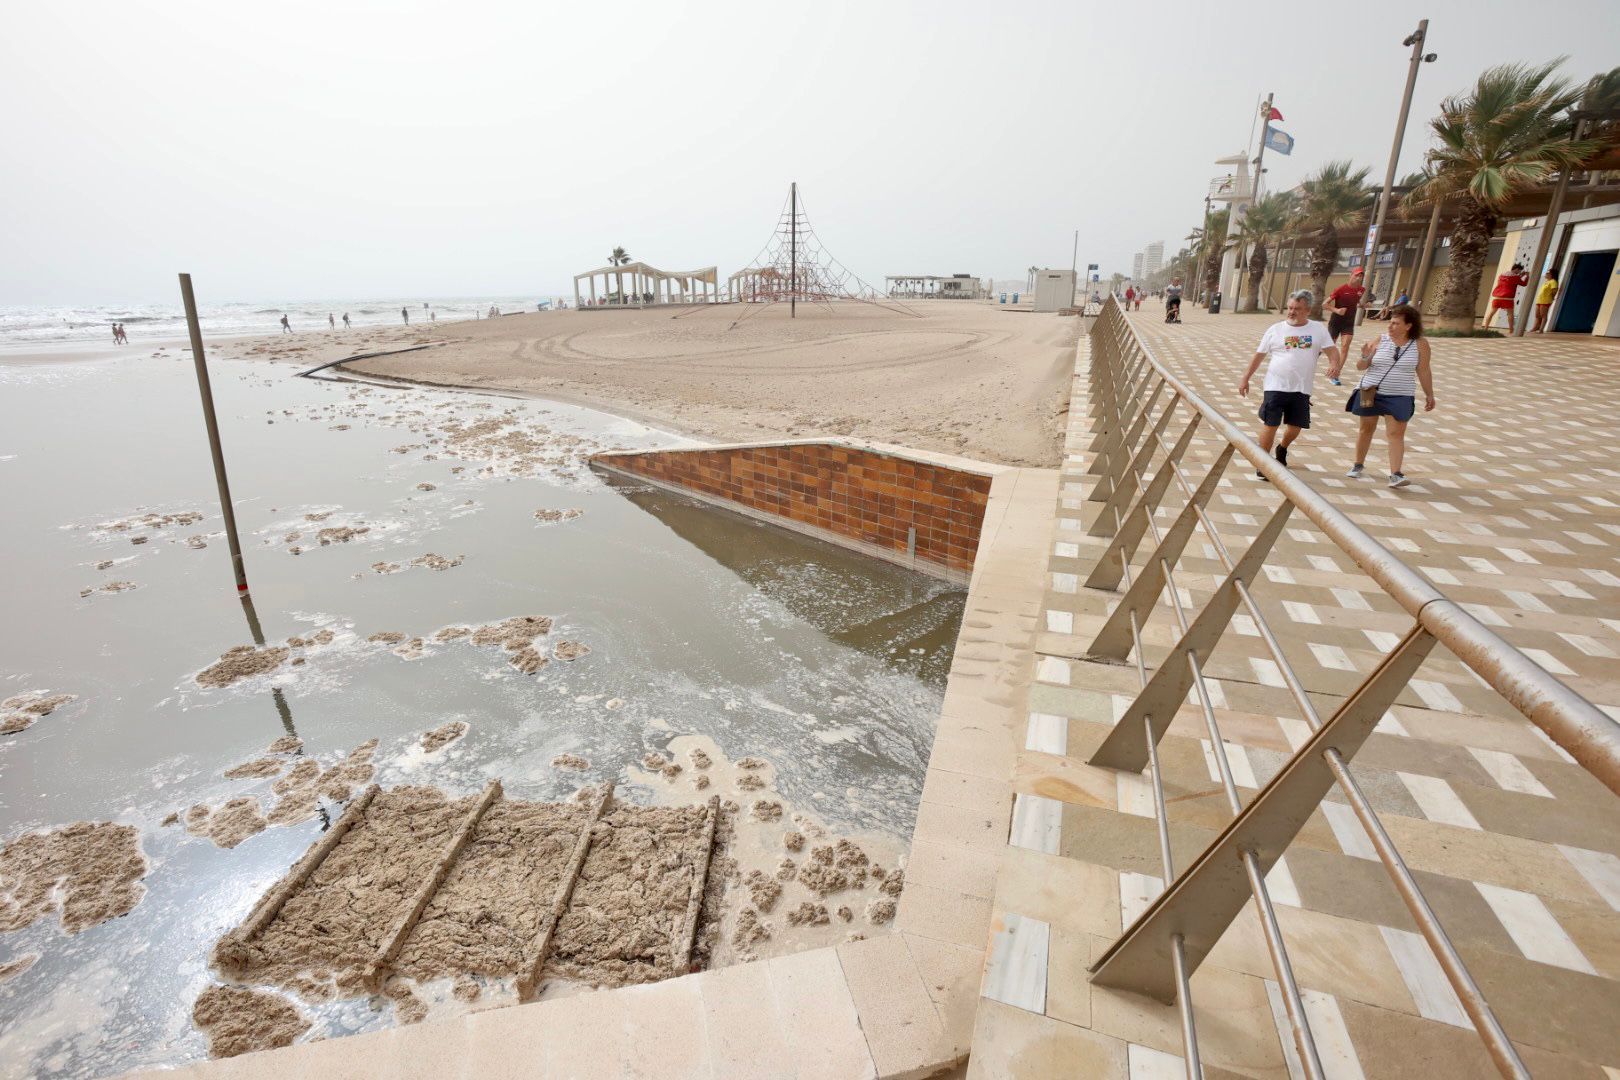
x=1415, y=40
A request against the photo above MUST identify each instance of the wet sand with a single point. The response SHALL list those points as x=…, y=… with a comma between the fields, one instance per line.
x=981, y=380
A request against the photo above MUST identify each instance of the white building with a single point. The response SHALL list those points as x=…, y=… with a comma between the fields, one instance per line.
x=1054, y=290
x=1153, y=258
x=1136, y=267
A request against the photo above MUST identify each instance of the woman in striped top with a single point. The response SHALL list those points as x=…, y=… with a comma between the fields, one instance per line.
x=1394, y=367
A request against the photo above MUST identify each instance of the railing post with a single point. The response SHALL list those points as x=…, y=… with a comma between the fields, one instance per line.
x=1202, y=902
x=1108, y=519
x=1168, y=688
x=1110, y=568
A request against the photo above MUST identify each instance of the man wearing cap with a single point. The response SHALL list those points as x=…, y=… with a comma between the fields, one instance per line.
x=1341, y=308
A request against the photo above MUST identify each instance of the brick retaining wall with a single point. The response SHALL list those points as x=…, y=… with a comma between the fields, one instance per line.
x=870, y=499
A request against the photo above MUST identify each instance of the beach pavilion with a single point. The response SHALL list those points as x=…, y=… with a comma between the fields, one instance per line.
x=637, y=284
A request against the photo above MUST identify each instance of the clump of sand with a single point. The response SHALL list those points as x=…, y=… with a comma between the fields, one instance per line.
x=242, y=662
x=425, y=486
x=298, y=793
x=18, y=713
x=341, y=534
x=387, y=637
x=443, y=735
x=570, y=650
x=13, y=968
x=553, y=517
x=437, y=562
x=569, y=761
x=89, y=871
x=240, y=1021
x=258, y=767
x=323, y=636
x=808, y=914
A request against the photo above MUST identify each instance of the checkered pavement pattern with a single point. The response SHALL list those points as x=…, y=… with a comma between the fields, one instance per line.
x=1514, y=512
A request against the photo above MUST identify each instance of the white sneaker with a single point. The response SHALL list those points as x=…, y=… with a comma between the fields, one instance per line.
x=1397, y=480
x=1356, y=471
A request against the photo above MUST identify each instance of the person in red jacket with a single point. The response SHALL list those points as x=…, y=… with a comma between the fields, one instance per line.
x=1502, y=297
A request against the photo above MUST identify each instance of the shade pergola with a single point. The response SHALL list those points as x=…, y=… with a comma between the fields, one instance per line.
x=638, y=284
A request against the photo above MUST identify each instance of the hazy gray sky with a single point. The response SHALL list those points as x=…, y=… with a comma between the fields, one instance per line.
x=316, y=150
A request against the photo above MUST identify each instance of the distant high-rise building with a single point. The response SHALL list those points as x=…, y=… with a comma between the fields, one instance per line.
x=1153, y=258
x=1136, y=267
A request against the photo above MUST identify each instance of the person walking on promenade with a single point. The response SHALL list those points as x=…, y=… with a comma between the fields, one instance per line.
x=1130, y=295
x=405, y=313
x=1341, y=308
x=286, y=327
x=1394, y=366
x=331, y=321
x=1293, y=346
x=1506, y=291
x=1546, y=292
x=345, y=320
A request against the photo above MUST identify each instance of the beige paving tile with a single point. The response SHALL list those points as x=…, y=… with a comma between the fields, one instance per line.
x=664, y=1033
x=1010, y=1042
x=818, y=1017
x=745, y=1035
x=903, y=1030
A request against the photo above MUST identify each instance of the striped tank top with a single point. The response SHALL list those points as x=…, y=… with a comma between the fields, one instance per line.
x=1393, y=370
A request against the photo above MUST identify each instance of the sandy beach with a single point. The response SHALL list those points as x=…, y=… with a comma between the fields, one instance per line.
x=980, y=380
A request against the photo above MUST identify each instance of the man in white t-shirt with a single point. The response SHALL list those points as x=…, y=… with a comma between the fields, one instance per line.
x=1293, y=346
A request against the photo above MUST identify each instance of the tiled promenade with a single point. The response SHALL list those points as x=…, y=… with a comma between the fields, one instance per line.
x=1515, y=512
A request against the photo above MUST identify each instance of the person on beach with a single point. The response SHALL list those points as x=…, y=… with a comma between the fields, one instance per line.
x=345, y=320
x=1505, y=293
x=1293, y=346
x=405, y=313
x=1546, y=292
x=117, y=334
x=1394, y=365
x=286, y=327
x=1341, y=308
x=331, y=322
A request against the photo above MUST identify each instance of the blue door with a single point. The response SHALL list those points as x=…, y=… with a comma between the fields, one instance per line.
x=1583, y=292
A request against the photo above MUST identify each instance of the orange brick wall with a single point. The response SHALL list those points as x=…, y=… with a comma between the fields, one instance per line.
x=866, y=496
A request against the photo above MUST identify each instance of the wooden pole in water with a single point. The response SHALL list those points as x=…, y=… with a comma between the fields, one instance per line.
x=681, y=957
x=207, y=392
x=530, y=979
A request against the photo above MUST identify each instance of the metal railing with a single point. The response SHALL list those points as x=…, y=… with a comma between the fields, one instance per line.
x=1135, y=399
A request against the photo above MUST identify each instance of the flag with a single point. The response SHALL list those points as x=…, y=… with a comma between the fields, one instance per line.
x=1279, y=140
x=1275, y=115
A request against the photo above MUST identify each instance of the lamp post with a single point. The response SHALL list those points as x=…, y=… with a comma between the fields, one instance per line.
x=1416, y=40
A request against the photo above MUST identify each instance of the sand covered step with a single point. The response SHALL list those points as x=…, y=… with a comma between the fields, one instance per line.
x=490, y=909
x=629, y=908
x=332, y=927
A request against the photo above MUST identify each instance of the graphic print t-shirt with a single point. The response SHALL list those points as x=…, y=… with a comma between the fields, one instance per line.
x=1294, y=351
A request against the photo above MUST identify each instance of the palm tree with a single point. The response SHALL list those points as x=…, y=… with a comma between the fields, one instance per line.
x=1332, y=198
x=619, y=257
x=1213, y=247
x=1264, y=223
x=1510, y=132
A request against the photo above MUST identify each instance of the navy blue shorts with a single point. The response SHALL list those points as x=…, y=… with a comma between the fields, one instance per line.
x=1285, y=407
x=1400, y=406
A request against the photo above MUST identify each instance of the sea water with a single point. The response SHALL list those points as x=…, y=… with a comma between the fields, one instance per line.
x=700, y=623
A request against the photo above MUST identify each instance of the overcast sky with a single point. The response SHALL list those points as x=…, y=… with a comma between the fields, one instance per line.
x=302, y=151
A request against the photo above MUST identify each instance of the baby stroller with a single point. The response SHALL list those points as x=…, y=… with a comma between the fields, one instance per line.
x=1172, y=309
